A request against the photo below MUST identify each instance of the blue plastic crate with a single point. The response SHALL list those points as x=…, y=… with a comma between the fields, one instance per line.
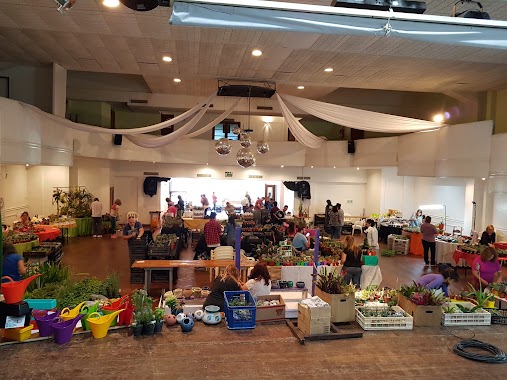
x=239, y=317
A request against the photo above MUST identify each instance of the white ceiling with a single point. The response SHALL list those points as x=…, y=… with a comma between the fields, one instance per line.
x=93, y=38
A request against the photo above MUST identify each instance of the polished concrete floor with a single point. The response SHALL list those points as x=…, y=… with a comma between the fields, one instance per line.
x=268, y=351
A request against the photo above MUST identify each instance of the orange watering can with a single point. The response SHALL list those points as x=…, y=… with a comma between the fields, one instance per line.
x=100, y=323
x=68, y=314
x=13, y=291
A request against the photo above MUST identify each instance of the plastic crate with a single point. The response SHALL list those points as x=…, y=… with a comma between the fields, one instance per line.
x=20, y=333
x=41, y=304
x=384, y=323
x=239, y=317
x=401, y=246
x=498, y=317
x=480, y=318
x=159, y=251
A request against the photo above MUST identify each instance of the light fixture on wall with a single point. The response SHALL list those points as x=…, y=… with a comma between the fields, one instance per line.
x=436, y=207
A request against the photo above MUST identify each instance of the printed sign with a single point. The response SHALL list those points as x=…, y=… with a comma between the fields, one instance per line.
x=228, y=174
x=13, y=322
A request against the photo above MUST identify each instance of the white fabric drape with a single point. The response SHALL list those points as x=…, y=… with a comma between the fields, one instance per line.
x=134, y=131
x=360, y=119
x=156, y=142
x=213, y=123
x=303, y=135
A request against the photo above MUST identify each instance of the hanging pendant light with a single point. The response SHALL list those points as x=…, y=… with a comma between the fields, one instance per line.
x=245, y=139
x=262, y=147
x=245, y=158
x=223, y=146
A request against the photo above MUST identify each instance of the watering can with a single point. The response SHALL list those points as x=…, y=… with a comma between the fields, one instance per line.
x=44, y=320
x=126, y=316
x=87, y=310
x=110, y=307
x=100, y=323
x=68, y=314
x=13, y=291
x=62, y=330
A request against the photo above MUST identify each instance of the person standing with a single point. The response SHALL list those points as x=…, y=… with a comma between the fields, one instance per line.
x=259, y=203
x=214, y=199
x=113, y=216
x=205, y=203
x=488, y=237
x=327, y=210
x=96, y=208
x=245, y=203
x=352, y=262
x=212, y=231
x=249, y=198
x=181, y=205
x=416, y=219
x=372, y=234
x=230, y=231
x=341, y=219
x=428, y=232
x=334, y=223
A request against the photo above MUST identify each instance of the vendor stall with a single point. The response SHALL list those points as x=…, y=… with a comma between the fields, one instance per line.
x=388, y=229
x=47, y=233
x=26, y=246
x=445, y=253
x=194, y=224
x=83, y=227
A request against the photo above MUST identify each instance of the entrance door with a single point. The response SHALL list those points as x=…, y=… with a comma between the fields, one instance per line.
x=126, y=189
x=270, y=191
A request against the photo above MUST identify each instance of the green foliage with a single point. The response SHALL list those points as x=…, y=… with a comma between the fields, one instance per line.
x=159, y=314
x=164, y=240
x=387, y=252
x=141, y=300
x=76, y=202
x=51, y=274
x=480, y=297
x=48, y=291
x=333, y=282
x=422, y=296
x=171, y=302
x=111, y=286
x=449, y=309
x=73, y=294
x=466, y=309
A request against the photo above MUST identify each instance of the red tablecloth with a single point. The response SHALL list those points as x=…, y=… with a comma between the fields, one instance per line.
x=49, y=233
x=469, y=257
x=500, y=245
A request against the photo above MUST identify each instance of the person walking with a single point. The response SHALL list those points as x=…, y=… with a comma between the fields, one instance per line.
x=428, y=232
x=334, y=223
x=113, y=216
x=96, y=208
x=181, y=206
x=214, y=199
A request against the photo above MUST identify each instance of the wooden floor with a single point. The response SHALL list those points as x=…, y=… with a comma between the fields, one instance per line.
x=268, y=351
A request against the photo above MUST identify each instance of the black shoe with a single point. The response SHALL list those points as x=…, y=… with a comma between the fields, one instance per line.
x=425, y=263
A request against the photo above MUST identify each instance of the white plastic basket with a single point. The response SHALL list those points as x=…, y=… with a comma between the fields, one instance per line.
x=384, y=323
x=479, y=318
x=401, y=246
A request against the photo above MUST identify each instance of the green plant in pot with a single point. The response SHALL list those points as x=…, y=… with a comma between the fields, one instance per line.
x=137, y=325
x=172, y=303
x=481, y=298
x=148, y=319
x=159, y=322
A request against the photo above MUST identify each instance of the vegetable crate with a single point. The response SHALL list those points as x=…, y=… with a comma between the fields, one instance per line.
x=401, y=246
x=479, y=318
x=239, y=317
x=405, y=322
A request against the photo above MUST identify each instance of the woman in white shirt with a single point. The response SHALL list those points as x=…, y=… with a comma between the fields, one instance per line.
x=372, y=235
x=259, y=283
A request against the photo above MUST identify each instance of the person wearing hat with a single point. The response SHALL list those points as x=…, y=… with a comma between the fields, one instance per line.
x=439, y=281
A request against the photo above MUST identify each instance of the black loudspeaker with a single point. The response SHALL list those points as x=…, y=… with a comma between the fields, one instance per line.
x=117, y=139
x=351, y=147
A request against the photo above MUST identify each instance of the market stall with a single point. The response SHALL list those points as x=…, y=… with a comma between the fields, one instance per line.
x=83, y=227
x=194, y=224
x=47, y=233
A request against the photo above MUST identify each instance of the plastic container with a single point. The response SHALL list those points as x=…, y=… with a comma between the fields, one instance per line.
x=370, y=260
x=20, y=333
x=239, y=317
x=44, y=320
x=384, y=323
x=479, y=318
x=41, y=304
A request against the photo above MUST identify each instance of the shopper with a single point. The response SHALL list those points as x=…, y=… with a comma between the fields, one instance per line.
x=114, y=215
x=489, y=236
x=300, y=242
x=229, y=209
x=172, y=210
x=205, y=203
x=334, y=222
x=372, y=234
x=259, y=281
x=181, y=205
x=25, y=219
x=291, y=230
x=13, y=265
x=228, y=281
x=341, y=220
x=273, y=210
x=327, y=210
x=352, y=260
x=486, y=268
x=212, y=232
x=96, y=208
x=230, y=231
x=259, y=203
x=439, y=281
x=214, y=199
x=428, y=232
x=133, y=229
x=416, y=219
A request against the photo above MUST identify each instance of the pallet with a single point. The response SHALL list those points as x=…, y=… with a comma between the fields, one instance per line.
x=336, y=332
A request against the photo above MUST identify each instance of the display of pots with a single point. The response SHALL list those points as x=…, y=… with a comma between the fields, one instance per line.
x=149, y=328
x=44, y=320
x=199, y=314
x=180, y=317
x=187, y=324
x=170, y=320
x=13, y=290
x=212, y=315
x=100, y=324
x=300, y=284
x=283, y=284
x=62, y=330
x=197, y=292
x=290, y=284
x=178, y=293
x=187, y=293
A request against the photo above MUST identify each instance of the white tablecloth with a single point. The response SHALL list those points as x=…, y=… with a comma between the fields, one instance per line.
x=371, y=275
x=444, y=252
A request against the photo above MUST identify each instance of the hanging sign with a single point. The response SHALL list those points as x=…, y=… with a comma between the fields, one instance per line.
x=228, y=174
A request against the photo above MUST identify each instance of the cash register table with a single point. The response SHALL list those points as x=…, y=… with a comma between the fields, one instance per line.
x=169, y=265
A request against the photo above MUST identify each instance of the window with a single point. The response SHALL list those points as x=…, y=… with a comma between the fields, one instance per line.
x=224, y=130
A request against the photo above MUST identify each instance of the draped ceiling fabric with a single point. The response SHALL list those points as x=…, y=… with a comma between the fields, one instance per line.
x=290, y=17
x=360, y=119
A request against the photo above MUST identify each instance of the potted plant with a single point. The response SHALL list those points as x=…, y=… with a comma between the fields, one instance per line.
x=137, y=325
x=159, y=322
x=423, y=304
x=148, y=319
x=481, y=298
x=331, y=288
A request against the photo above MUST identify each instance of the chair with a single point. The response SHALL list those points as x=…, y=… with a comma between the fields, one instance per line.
x=220, y=253
x=358, y=226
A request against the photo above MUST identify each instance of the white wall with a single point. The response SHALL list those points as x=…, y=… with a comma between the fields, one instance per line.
x=14, y=191
x=41, y=180
x=373, y=191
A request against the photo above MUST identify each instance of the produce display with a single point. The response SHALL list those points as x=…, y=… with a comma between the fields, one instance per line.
x=15, y=237
x=165, y=240
x=382, y=312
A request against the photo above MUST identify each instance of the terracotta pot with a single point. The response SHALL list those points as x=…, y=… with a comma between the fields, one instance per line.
x=187, y=293
x=170, y=320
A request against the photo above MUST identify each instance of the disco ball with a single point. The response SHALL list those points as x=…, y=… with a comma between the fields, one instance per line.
x=223, y=147
x=236, y=130
x=245, y=140
x=245, y=158
x=262, y=147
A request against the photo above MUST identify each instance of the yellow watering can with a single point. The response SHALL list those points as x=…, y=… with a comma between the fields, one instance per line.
x=100, y=323
x=68, y=314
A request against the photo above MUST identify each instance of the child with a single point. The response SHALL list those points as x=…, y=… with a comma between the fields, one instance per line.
x=439, y=281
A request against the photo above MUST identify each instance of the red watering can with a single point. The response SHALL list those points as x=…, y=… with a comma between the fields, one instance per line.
x=13, y=291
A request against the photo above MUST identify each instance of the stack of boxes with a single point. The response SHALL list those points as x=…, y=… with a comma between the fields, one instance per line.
x=314, y=320
x=137, y=251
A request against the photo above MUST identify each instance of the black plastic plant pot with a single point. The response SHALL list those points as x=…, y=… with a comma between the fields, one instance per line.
x=137, y=330
x=149, y=329
x=158, y=327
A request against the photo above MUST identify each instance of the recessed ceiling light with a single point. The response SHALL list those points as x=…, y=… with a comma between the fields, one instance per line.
x=177, y=80
x=27, y=165
x=111, y=3
x=357, y=168
x=438, y=118
x=166, y=58
x=301, y=87
x=311, y=166
x=328, y=69
x=256, y=53
x=334, y=167
x=281, y=166
x=483, y=178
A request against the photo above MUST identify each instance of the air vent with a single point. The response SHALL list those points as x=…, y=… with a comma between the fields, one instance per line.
x=138, y=101
x=255, y=176
x=304, y=177
x=266, y=108
x=150, y=173
x=203, y=175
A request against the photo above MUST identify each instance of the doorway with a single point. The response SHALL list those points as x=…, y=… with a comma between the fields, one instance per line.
x=270, y=191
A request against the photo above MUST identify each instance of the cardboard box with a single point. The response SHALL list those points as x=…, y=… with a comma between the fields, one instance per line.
x=314, y=320
x=342, y=307
x=423, y=315
x=270, y=313
x=275, y=272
